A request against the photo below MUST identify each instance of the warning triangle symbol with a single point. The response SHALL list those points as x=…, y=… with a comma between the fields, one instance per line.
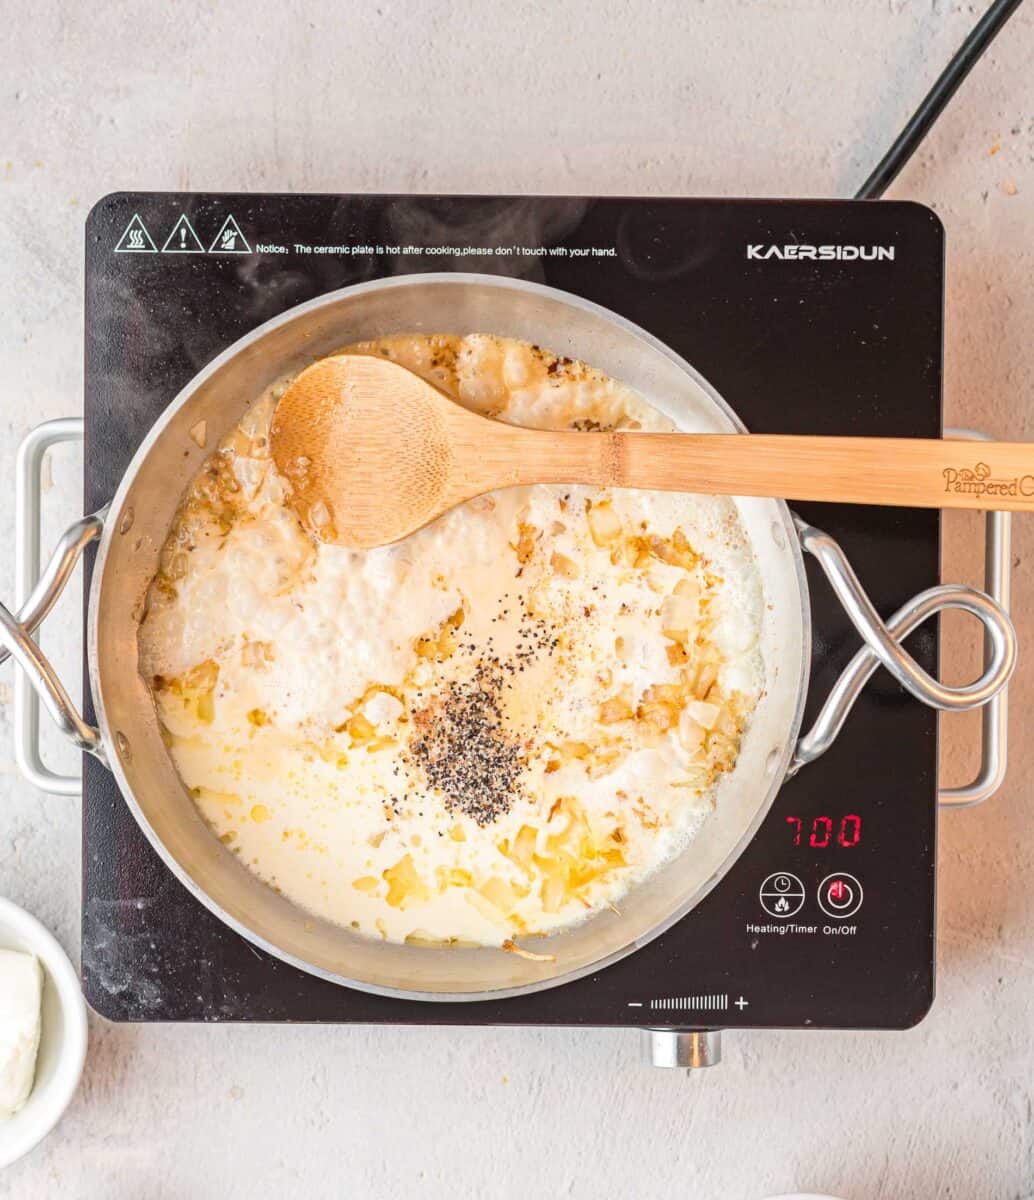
x=183, y=239
x=229, y=239
x=136, y=239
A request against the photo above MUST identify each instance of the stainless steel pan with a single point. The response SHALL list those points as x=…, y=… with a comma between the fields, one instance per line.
x=131, y=530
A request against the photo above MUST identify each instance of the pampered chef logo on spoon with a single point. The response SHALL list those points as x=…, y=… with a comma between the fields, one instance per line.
x=798, y=251
x=978, y=482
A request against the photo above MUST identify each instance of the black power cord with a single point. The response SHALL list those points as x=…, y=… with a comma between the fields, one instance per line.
x=907, y=141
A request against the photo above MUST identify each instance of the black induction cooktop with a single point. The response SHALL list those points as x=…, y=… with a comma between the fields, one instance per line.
x=808, y=317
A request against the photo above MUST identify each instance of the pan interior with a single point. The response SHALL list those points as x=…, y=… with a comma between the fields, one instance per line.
x=144, y=508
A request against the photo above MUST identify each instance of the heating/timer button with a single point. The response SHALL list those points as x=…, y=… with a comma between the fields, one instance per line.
x=840, y=895
x=782, y=894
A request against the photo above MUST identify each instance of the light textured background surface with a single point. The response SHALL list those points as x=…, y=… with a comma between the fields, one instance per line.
x=724, y=97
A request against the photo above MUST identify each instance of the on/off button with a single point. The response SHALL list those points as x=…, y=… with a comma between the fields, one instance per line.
x=840, y=895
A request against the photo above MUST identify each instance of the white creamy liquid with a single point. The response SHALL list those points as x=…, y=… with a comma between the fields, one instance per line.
x=489, y=730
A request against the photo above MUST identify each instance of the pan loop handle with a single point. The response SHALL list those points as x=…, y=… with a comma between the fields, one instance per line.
x=36, y=594
x=22, y=647
x=883, y=646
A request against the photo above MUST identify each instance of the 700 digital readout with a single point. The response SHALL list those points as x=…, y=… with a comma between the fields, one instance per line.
x=823, y=831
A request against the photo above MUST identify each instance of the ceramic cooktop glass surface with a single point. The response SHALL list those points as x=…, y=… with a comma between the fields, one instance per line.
x=827, y=918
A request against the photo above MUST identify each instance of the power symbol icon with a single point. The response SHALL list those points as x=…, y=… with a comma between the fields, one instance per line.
x=840, y=895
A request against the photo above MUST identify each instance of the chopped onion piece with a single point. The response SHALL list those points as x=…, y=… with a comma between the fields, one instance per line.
x=511, y=947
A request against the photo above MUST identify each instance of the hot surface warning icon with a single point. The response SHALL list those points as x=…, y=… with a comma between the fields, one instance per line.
x=229, y=239
x=183, y=239
x=136, y=239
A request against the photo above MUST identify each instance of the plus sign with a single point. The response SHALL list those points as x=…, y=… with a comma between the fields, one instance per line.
x=741, y=1004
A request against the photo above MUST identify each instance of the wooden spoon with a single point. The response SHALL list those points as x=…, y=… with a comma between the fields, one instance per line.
x=374, y=452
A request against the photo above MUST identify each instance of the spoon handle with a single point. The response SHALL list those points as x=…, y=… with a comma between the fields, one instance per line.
x=908, y=472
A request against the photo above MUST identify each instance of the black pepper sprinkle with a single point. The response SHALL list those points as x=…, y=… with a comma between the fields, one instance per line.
x=460, y=741
x=464, y=749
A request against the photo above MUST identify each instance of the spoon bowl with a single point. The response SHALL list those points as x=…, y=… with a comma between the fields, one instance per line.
x=367, y=453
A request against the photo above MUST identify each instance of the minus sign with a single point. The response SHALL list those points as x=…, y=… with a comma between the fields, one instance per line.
x=635, y=1004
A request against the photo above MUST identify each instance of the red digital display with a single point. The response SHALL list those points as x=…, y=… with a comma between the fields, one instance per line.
x=820, y=832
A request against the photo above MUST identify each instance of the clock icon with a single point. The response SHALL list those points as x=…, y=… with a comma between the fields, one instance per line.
x=781, y=895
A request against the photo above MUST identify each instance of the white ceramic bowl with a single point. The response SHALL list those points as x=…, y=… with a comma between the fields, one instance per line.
x=62, y=1048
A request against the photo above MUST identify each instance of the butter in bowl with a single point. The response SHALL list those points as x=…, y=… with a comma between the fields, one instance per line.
x=21, y=1010
x=43, y=1032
